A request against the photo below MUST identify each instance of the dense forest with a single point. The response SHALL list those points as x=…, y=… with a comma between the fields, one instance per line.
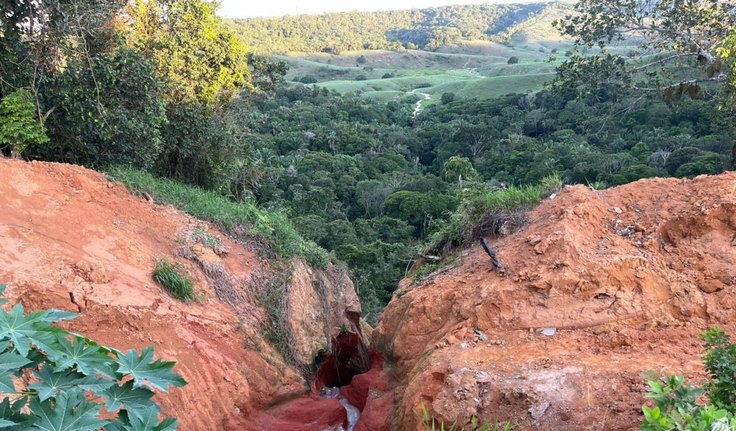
x=369, y=182
x=166, y=88
x=430, y=28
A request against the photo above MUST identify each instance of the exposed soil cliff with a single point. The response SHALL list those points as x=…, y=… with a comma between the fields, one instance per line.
x=598, y=287
x=70, y=239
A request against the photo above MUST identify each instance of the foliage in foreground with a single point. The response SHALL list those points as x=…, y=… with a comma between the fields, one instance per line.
x=73, y=378
x=245, y=220
x=431, y=424
x=169, y=276
x=676, y=401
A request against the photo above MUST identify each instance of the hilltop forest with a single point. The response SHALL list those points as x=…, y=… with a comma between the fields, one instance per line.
x=166, y=88
x=430, y=28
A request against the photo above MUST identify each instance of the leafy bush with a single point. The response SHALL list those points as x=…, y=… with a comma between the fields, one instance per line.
x=243, y=220
x=169, y=276
x=676, y=401
x=19, y=126
x=720, y=362
x=513, y=60
x=73, y=378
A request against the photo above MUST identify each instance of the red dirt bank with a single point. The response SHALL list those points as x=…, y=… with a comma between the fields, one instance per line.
x=70, y=239
x=628, y=276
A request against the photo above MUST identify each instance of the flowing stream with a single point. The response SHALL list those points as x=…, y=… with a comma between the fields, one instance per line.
x=352, y=411
x=418, y=106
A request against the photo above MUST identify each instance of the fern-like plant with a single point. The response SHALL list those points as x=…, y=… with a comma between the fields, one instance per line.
x=54, y=380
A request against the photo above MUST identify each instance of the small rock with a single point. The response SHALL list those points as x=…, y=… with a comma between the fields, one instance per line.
x=550, y=332
x=617, y=210
x=534, y=239
x=541, y=248
x=711, y=286
x=538, y=410
x=552, y=196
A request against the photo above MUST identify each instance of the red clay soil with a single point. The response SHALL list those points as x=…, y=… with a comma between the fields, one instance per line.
x=628, y=278
x=72, y=240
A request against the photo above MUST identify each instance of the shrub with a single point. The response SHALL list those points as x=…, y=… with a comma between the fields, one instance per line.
x=720, y=363
x=74, y=378
x=676, y=401
x=169, y=276
x=447, y=98
x=513, y=60
x=361, y=77
x=19, y=126
x=307, y=79
x=487, y=211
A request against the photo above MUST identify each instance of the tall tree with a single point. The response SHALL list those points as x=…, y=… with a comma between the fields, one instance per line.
x=200, y=59
x=674, y=31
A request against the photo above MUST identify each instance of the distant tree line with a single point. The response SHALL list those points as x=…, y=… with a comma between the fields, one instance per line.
x=429, y=28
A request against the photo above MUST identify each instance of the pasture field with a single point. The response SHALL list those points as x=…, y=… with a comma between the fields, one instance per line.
x=477, y=69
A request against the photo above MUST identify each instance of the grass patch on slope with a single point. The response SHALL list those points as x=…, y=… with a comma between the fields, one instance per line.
x=271, y=231
x=485, y=212
x=170, y=277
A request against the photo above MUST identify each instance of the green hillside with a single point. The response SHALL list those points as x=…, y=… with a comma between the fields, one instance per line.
x=429, y=28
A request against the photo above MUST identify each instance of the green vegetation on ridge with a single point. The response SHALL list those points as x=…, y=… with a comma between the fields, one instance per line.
x=272, y=232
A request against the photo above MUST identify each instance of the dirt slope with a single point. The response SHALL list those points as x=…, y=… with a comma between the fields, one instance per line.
x=627, y=278
x=70, y=239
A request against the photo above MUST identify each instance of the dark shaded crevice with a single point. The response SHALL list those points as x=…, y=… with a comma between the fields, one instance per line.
x=348, y=358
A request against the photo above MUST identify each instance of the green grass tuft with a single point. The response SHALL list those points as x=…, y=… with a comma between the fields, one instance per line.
x=170, y=277
x=485, y=211
x=243, y=220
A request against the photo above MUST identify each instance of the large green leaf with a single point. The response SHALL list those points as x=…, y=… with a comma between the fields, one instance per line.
x=11, y=361
x=147, y=422
x=10, y=364
x=10, y=413
x=135, y=400
x=51, y=383
x=70, y=412
x=55, y=316
x=146, y=372
x=26, y=330
x=89, y=358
